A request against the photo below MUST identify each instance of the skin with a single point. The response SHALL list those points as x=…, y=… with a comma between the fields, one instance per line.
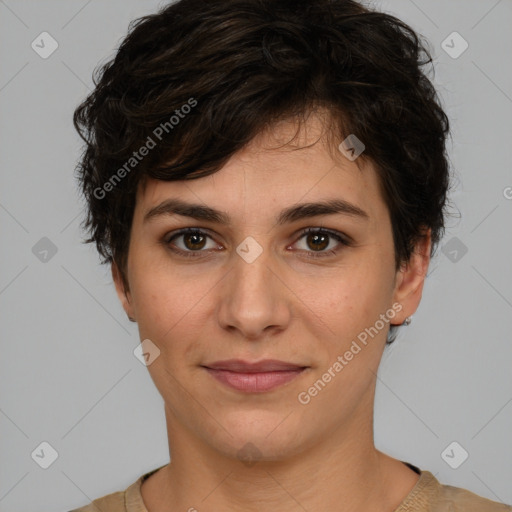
x=284, y=305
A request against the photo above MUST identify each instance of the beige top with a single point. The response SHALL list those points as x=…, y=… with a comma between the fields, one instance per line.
x=428, y=495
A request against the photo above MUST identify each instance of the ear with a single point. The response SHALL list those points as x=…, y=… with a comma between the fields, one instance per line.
x=411, y=277
x=122, y=292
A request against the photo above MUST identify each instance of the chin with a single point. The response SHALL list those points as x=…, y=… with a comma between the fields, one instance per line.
x=262, y=439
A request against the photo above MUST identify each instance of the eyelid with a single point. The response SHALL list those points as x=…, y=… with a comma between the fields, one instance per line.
x=342, y=239
x=340, y=236
x=189, y=231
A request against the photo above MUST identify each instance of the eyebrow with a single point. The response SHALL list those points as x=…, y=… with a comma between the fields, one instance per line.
x=293, y=213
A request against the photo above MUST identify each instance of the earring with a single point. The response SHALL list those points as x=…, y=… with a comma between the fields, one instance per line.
x=407, y=321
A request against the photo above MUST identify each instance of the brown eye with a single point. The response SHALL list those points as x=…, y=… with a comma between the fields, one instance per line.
x=190, y=242
x=194, y=241
x=317, y=241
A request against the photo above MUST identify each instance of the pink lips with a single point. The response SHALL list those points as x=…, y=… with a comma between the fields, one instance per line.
x=254, y=377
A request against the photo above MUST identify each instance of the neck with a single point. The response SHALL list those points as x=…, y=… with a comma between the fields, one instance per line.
x=342, y=472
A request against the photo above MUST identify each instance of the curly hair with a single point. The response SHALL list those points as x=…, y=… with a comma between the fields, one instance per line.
x=197, y=81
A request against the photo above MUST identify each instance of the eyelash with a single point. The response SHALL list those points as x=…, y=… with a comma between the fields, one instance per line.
x=343, y=240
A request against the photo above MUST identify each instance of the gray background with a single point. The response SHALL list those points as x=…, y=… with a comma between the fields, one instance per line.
x=68, y=373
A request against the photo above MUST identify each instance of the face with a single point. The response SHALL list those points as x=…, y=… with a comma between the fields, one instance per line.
x=259, y=277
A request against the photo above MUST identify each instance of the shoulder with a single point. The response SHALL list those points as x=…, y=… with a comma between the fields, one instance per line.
x=466, y=501
x=429, y=495
x=113, y=503
x=129, y=500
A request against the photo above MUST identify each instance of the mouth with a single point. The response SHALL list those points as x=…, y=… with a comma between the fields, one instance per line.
x=254, y=377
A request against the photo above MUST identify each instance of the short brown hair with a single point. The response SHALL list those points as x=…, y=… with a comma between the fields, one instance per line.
x=247, y=64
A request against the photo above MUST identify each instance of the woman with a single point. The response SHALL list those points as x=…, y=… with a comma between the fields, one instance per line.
x=267, y=180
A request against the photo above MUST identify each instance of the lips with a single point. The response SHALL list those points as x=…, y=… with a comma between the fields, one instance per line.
x=267, y=365
x=254, y=377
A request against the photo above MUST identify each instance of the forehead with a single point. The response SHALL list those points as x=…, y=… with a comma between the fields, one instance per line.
x=286, y=164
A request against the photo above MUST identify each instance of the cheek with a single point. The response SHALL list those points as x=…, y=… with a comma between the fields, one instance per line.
x=354, y=297
x=170, y=304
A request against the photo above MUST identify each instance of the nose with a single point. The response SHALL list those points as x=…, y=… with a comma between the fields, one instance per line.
x=255, y=302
